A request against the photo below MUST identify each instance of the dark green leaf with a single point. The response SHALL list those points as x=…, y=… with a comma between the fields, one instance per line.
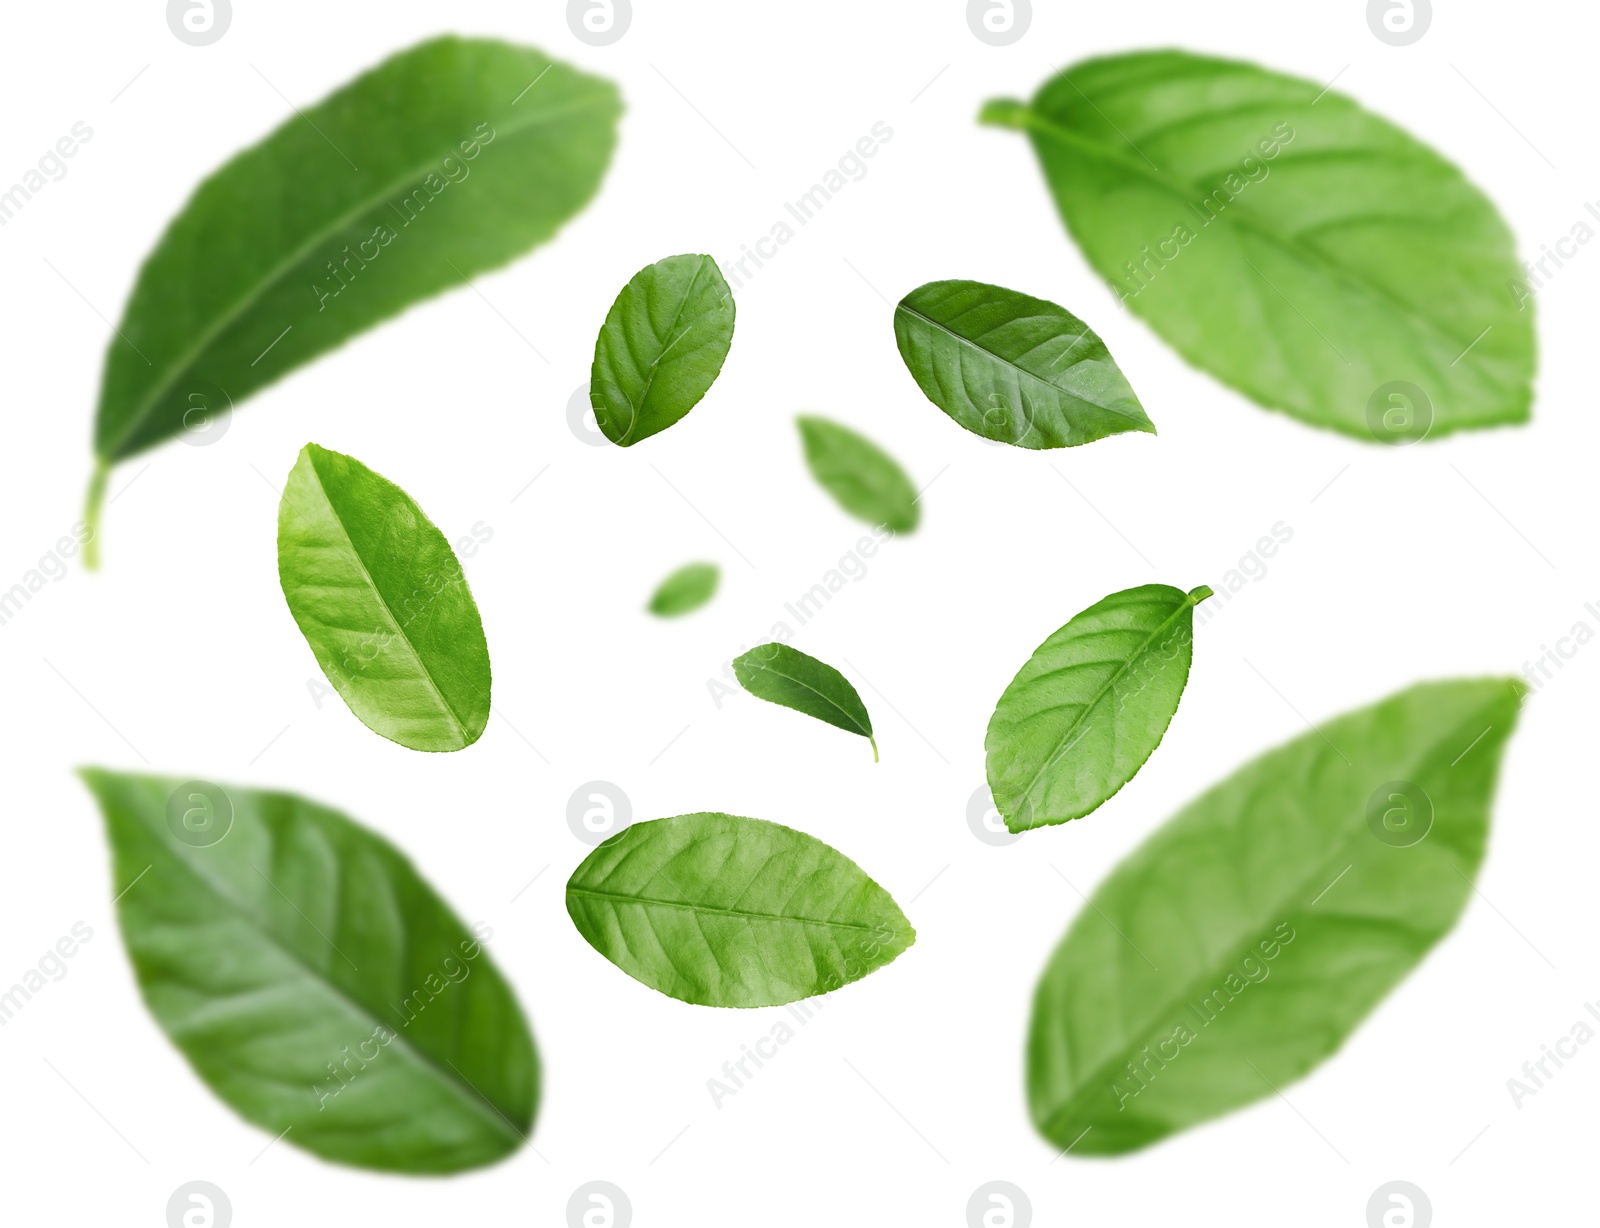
x=1090, y=706
x=861, y=476
x=661, y=347
x=783, y=675
x=1013, y=368
x=686, y=589
x=1301, y=249
x=383, y=602
x=444, y=161
x=312, y=978
x=719, y=910
x=1247, y=938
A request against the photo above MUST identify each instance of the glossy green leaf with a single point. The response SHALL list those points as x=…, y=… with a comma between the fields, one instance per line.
x=383, y=602
x=1242, y=943
x=686, y=589
x=783, y=675
x=661, y=348
x=1090, y=706
x=1298, y=247
x=314, y=980
x=446, y=160
x=719, y=910
x=1013, y=368
x=863, y=479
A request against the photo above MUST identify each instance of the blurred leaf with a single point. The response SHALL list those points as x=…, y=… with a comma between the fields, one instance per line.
x=685, y=590
x=863, y=479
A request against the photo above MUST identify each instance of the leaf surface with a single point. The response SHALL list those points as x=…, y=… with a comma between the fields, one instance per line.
x=862, y=478
x=685, y=590
x=383, y=602
x=718, y=910
x=783, y=675
x=1242, y=943
x=314, y=980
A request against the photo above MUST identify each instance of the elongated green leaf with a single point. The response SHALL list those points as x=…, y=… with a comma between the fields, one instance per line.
x=863, y=478
x=314, y=980
x=383, y=602
x=446, y=160
x=783, y=675
x=1090, y=706
x=661, y=348
x=1299, y=248
x=686, y=589
x=1248, y=937
x=1013, y=368
x=719, y=910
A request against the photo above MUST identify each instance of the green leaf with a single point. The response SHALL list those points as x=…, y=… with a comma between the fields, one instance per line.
x=863, y=478
x=1301, y=249
x=718, y=910
x=383, y=602
x=1013, y=368
x=1248, y=937
x=314, y=980
x=661, y=347
x=446, y=160
x=783, y=675
x=1090, y=706
x=686, y=589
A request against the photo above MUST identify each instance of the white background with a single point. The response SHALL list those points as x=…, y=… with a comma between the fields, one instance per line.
x=905, y=1093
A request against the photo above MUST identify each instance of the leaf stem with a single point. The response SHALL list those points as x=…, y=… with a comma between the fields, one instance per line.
x=91, y=513
x=874, y=742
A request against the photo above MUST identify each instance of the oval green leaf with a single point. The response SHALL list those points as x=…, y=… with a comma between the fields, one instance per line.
x=383, y=602
x=685, y=590
x=783, y=675
x=1247, y=938
x=1301, y=249
x=314, y=980
x=862, y=478
x=1090, y=706
x=661, y=348
x=446, y=160
x=718, y=910
x=1013, y=368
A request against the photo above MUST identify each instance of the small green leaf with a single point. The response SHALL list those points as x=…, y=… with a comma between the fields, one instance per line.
x=1306, y=252
x=1244, y=941
x=863, y=478
x=1013, y=368
x=661, y=348
x=1090, y=706
x=718, y=910
x=686, y=589
x=383, y=602
x=314, y=980
x=783, y=675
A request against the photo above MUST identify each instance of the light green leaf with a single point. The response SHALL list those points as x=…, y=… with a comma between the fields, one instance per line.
x=1013, y=368
x=1090, y=706
x=863, y=479
x=686, y=589
x=448, y=159
x=314, y=980
x=1242, y=943
x=1298, y=247
x=719, y=910
x=383, y=602
x=661, y=347
x=783, y=675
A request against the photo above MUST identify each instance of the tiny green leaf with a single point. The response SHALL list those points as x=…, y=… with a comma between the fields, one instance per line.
x=686, y=589
x=314, y=980
x=783, y=675
x=863, y=479
x=661, y=348
x=1013, y=368
x=1244, y=941
x=1306, y=252
x=718, y=910
x=1090, y=706
x=383, y=602
x=444, y=161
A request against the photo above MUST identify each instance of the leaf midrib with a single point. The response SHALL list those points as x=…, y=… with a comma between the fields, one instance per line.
x=613, y=897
